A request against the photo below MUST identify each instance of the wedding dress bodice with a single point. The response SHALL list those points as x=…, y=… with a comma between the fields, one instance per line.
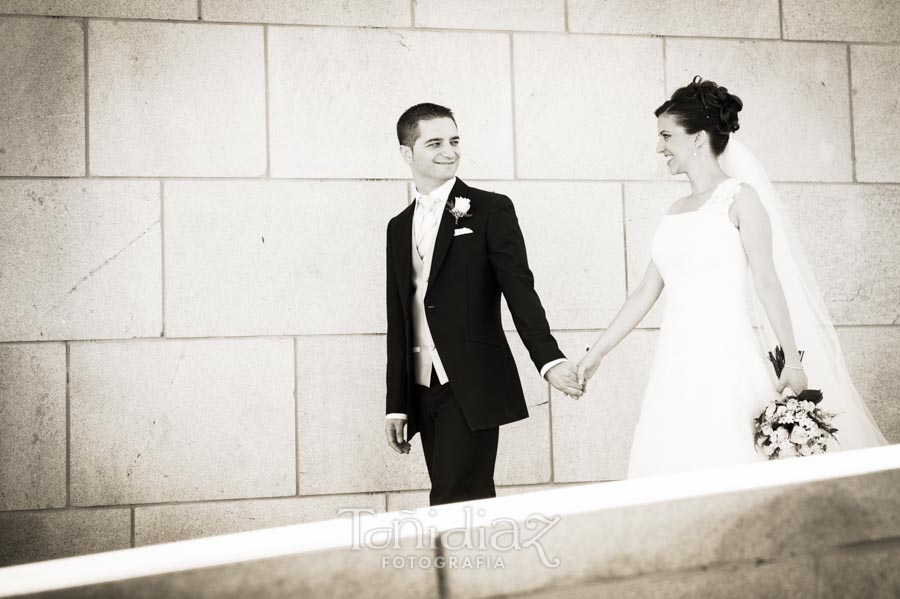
x=701, y=259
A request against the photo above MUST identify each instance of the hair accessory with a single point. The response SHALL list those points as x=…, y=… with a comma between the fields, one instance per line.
x=696, y=85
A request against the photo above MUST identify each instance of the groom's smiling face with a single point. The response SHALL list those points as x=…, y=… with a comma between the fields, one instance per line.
x=435, y=153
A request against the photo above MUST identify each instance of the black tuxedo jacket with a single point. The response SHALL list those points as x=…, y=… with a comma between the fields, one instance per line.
x=462, y=306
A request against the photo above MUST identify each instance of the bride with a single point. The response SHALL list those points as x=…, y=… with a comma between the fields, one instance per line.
x=709, y=377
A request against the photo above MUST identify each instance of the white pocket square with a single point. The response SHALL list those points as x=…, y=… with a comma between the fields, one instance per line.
x=462, y=231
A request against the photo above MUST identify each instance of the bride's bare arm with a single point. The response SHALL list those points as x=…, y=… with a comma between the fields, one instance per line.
x=756, y=237
x=630, y=315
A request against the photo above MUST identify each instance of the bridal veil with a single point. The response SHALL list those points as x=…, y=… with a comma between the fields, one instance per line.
x=823, y=359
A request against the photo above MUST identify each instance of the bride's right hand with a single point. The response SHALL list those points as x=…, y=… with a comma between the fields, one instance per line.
x=588, y=366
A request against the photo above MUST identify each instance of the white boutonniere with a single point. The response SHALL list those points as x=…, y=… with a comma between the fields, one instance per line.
x=460, y=208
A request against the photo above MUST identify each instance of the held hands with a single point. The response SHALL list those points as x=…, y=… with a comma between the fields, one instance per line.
x=794, y=378
x=564, y=377
x=393, y=428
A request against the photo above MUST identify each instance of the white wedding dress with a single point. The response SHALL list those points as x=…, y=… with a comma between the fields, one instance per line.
x=709, y=379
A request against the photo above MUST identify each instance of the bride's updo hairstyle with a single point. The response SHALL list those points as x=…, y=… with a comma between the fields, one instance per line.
x=705, y=106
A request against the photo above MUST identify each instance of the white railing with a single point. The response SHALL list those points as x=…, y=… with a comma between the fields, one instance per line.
x=407, y=529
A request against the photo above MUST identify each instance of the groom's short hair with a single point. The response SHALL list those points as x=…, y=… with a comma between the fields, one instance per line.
x=408, y=125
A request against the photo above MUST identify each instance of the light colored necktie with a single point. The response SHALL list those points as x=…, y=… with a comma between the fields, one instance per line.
x=426, y=221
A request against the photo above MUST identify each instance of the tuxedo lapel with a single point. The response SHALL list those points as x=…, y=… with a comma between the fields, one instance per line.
x=402, y=250
x=445, y=230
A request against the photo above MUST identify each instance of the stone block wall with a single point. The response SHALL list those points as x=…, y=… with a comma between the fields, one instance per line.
x=193, y=198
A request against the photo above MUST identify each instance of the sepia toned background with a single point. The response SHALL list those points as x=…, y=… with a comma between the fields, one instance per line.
x=193, y=199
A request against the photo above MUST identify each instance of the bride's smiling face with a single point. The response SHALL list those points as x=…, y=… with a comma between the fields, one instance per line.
x=674, y=143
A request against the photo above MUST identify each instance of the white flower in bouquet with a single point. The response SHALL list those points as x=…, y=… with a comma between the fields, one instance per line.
x=787, y=419
x=788, y=450
x=799, y=435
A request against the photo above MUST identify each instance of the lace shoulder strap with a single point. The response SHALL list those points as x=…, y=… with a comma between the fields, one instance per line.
x=722, y=197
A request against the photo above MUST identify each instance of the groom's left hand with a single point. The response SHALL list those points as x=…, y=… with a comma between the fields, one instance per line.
x=564, y=377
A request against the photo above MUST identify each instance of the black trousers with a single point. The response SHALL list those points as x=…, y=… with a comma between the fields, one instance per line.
x=460, y=461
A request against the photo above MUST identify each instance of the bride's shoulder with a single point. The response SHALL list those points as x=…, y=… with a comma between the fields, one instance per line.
x=745, y=195
x=747, y=204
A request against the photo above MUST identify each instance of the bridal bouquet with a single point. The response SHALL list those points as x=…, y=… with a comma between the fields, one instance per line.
x=793, y=425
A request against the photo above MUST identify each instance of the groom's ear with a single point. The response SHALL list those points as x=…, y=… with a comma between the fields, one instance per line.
x=407, y=154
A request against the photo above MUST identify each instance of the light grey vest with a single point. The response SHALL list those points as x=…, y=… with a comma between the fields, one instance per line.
x=423, y=344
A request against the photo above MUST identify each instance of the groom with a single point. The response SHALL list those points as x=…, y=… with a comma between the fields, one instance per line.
x=450, y=372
